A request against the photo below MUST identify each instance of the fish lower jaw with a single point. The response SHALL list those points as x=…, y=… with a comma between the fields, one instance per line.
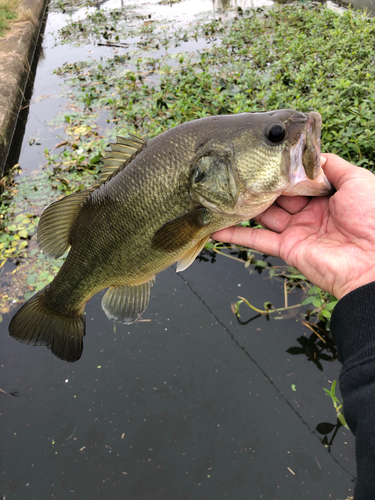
x=307, y=187
x=251, y=207
x=299, y=182
x=246, y=207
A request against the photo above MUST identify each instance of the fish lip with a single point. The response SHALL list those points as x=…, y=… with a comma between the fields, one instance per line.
x=309, y=179
x=314, y=129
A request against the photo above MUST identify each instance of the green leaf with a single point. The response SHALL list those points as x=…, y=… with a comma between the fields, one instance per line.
x=29, y=294
x=39, y=287
x=317, y=302
x=330, y=306
x=23, y=233
x=327, y=314
x=295, y=276
x=260, y=263
x=308, y=300
x=342, y=420
x=30, y=280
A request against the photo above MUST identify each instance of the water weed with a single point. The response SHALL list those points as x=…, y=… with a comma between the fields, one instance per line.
x=68, y=6
x=327, y=67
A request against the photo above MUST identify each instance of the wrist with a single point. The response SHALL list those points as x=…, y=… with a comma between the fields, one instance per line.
x=352, y=285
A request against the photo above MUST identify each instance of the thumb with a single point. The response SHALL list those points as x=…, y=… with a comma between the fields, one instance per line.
x=339, y=171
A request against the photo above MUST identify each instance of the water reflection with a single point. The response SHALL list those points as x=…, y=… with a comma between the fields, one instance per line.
x=316, y=348
x=326, y=428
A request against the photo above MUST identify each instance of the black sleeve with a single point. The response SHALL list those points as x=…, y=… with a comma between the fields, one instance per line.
x=353, y=328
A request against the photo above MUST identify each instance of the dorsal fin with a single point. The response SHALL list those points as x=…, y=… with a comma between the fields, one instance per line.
x=57, y=220
x=121, y=154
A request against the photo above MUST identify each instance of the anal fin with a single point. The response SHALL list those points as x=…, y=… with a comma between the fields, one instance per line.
x=190, y=256
x=125, y=304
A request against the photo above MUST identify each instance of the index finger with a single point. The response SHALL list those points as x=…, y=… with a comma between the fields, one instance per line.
x=261, y=240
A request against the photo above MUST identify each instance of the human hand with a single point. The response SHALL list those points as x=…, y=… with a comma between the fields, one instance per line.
x=331, y=240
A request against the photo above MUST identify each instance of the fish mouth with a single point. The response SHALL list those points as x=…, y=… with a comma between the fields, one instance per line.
x=306, y=174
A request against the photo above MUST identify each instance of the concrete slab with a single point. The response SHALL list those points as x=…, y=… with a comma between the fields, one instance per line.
x=16, y=54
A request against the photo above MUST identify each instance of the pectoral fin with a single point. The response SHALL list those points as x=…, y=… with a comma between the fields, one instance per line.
x=124, y=304
x=181, y=231
x=190, y=256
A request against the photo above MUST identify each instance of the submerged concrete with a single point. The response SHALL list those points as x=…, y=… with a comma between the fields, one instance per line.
x=17, y=51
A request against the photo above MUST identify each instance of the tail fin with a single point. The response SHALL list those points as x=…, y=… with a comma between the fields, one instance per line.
x=35, y=323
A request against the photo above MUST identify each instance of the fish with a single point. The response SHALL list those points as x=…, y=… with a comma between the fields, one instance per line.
x=157, y=202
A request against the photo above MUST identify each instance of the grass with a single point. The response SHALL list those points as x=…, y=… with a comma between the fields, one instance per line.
x=8, y=13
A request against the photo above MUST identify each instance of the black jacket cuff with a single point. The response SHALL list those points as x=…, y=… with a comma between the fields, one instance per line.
x=355, y=313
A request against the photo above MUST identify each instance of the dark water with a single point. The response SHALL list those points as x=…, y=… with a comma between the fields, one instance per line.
x=188, y=404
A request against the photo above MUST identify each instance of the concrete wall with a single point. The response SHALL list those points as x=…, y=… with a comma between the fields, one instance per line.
x=17, y=50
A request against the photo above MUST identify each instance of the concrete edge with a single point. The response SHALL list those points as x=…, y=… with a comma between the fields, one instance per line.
x=16, y=55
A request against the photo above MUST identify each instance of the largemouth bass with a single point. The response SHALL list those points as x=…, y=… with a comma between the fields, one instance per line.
x=157, y=203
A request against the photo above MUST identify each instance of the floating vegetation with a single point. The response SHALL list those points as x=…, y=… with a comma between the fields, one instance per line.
x=69, y=6
x=328, y=67
x=326, y=428
x=169, y=2
x=314, y=311
x=103, y=25
x=336, y=403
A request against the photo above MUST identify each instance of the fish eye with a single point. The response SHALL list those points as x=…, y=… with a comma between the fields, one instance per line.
x=275, y=133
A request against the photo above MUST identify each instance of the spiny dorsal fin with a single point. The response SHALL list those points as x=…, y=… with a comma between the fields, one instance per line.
x=121, y=154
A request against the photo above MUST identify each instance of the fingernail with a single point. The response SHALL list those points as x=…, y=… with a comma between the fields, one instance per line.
x=323, y=160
